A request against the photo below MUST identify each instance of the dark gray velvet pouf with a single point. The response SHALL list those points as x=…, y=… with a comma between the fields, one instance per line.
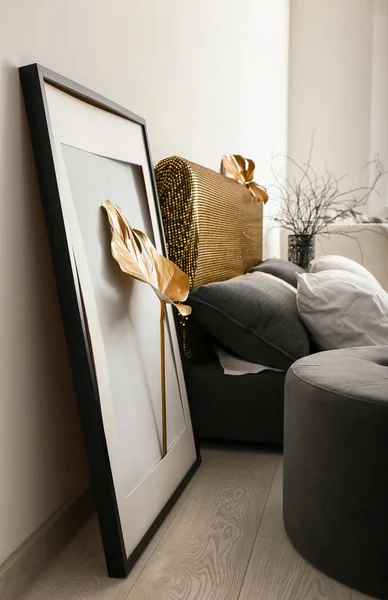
x=336, y=465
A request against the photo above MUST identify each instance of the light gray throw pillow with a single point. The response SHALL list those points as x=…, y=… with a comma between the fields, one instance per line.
x=343, y=309
x=339, y=263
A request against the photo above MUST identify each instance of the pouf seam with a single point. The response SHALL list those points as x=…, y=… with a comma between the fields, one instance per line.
x=325, y=389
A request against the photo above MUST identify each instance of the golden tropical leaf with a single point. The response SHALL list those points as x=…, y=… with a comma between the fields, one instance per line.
x=242, y=170
x=137, y=256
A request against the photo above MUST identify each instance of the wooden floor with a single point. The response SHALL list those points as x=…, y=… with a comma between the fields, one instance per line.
x=224, y=540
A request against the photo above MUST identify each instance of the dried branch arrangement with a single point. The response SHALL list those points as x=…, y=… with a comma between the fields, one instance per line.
x=311, y=202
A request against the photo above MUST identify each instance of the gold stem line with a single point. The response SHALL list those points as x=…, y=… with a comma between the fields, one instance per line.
x=163, y=377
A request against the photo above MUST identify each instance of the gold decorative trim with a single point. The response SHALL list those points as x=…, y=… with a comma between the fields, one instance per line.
x=213, y=228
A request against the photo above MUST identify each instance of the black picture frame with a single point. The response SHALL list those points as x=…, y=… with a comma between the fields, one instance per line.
x=33, y=78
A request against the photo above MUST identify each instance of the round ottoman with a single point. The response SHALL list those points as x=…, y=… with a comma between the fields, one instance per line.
x=336, y=464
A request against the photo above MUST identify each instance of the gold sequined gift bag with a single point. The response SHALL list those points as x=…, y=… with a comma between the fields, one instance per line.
x=213, y=225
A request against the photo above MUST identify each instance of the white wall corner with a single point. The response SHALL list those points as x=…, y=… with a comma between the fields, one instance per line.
x=332, y=89
x=378, y=204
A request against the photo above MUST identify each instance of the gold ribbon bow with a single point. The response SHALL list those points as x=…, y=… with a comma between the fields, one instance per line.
x=242, y=170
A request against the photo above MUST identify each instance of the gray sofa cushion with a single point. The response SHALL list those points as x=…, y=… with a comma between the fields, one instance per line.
x=254, y=315
x=280, y=268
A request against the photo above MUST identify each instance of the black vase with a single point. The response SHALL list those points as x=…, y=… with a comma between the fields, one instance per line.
x=301, y=249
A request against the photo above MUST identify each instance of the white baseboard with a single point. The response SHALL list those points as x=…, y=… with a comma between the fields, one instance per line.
x=29, y=560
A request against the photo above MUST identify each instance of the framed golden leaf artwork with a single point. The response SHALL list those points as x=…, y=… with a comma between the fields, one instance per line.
x=106, y=239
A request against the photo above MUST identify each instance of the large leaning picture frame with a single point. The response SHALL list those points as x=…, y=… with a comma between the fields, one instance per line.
x=88, y=150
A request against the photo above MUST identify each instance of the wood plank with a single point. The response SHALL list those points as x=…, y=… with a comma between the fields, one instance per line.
x=272, y=523
x=80, y=572
x=277, y=572
x=206, y=552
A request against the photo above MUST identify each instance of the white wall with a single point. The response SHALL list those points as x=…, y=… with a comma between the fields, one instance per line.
x=339, y=87
x=210, y=77
x=379, y=102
